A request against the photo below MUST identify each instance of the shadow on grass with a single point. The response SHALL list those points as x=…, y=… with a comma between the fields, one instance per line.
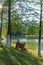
x=23, y=57
x=13, y=56
x=5, y=57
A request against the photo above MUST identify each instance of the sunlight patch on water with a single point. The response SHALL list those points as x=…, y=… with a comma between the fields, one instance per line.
x=23, y=40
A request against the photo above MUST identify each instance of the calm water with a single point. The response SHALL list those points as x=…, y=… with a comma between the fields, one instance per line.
x=24, y=40
x=35, y=40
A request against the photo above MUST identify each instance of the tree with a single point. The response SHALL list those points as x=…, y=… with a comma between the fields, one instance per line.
x=1, y=23
x=39, y=44
x=25, y=11
x=8, y=44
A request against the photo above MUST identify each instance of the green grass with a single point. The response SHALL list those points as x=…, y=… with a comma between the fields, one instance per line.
x=13, y=56
x=31, y=44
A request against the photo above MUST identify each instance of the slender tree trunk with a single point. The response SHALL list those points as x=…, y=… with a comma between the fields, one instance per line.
x=8, y=44
x=39, y=44
x=1, y=24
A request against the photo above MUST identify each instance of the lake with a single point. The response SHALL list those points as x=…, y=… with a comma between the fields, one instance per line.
x=25, y=40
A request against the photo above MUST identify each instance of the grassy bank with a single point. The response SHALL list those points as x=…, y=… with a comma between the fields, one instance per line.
x=31, y=43
x=13, y=56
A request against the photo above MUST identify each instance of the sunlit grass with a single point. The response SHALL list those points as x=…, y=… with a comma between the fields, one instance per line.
x=13, y=56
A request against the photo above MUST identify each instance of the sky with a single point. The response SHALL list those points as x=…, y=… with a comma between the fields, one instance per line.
x=28, y=15
x=0, y=6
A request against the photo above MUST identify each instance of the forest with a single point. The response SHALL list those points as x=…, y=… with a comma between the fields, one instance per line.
x=21, y=32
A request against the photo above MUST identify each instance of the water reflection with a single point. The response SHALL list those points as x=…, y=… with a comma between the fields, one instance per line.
x=35, y=40
x=24, y=40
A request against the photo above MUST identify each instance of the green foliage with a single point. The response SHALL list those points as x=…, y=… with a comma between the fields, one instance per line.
x=17, y=28
x=16, y=18
x=32, y=29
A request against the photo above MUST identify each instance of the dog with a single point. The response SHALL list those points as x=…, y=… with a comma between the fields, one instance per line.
x=20, y=45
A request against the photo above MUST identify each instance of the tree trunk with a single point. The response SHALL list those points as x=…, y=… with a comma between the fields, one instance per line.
x=39, y=44
x=1, y=24
x=8, y=44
